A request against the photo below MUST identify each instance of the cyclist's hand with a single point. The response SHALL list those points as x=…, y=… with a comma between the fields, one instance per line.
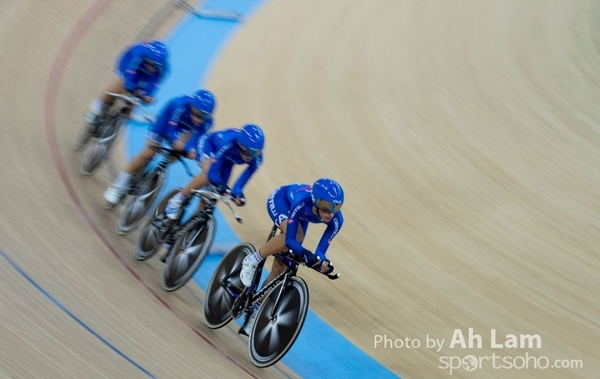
x=310, y=259
x=134, y=93
x=317, y=262
x=192, y=154
x=240, y=200
x=325, y=267
x=223, y=189
x=147, y=99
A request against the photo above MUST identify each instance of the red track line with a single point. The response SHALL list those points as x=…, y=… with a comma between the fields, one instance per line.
x=54, y=81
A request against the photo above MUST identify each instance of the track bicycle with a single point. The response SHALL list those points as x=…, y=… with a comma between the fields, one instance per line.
x=104, y=132
x=283, y=302
x=188, y=243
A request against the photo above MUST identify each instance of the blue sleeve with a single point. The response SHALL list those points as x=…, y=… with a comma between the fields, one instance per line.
x=172, y=133
x=163, y=117
x=330, y=232
x=151, y=88
x=156, y=81
x=197, y=135
x=172, y=127
x=292, y=229
x=192, y=143
x=203, y=129
x=245, y=177
x=214, y=172
x=132, y=65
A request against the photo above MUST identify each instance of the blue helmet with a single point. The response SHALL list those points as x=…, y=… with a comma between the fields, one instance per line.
x=251, y=140
x=157, y=54
x=202, y=103
x=327, y=195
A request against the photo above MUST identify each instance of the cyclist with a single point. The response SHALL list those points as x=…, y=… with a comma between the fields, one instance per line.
x=140, y=69
x=292, y=207
x=179, y=120
x=217, y=153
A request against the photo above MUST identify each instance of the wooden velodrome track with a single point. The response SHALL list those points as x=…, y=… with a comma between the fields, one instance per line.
x=465, y=134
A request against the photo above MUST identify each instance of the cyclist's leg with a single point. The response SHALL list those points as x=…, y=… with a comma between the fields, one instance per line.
x=277, y=207
x=197, y=182
x=101, y=104
x=175, y=204
x=115, y=87
x=277, y=267
x=278, y=243
x=120, y=185
x=140, y=160
x=276, y=246
x=204, y=157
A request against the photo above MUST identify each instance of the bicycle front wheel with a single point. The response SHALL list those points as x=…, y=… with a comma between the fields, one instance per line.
x=187, y=253
x=151, y=234
x=278, y=323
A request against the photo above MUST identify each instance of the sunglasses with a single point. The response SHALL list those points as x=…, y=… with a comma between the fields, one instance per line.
x=150, y=63
x=198, y=113
x=328, y=207
x=249, y=152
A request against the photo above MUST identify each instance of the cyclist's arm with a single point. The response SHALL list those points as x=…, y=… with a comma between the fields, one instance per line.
x=151, y=88
x=172, y=128
x=329, y=234
x=238, y=188
x=214, y=174
x=163, y=119
x=155, y=82
x=130, y=75
x=291, y=231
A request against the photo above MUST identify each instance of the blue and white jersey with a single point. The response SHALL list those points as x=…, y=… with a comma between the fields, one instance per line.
x=175, y=120
x=223, y=148
x=300, y=211
x=135, y=76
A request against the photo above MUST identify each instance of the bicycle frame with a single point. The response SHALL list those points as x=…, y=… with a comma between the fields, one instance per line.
x=250, y=299
x=168, y=157
x=176, y=227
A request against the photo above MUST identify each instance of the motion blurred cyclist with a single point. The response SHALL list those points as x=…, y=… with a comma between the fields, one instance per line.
x=217, y=154
x=181, y=122
x=140, y=69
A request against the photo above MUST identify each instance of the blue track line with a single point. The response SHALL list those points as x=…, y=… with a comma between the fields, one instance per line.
x=199, y=41
x=75, y=318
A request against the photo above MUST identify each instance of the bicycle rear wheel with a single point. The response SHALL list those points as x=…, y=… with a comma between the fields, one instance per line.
x=225, y=286
x=136, y=207
x=151, y=233
x=187, y=254
x=272, y=337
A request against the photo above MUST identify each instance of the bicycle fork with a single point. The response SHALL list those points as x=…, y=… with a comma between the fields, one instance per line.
x=253, y=301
